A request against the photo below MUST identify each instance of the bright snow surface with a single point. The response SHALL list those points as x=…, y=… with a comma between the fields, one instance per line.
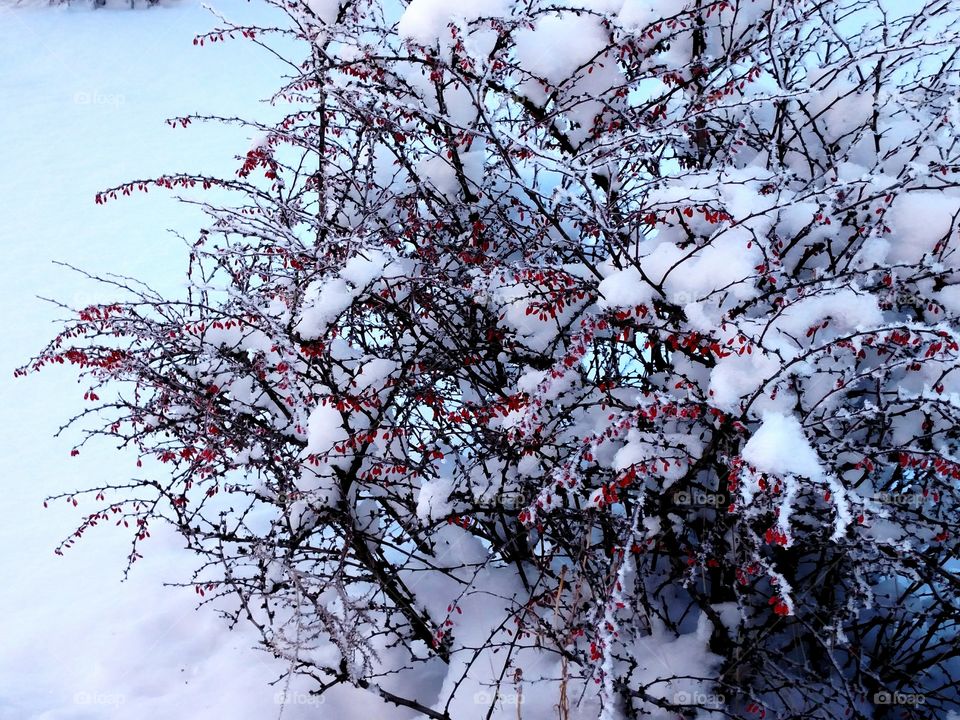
x=83, y=99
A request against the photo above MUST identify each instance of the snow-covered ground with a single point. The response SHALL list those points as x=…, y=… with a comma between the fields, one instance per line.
x=83, y=97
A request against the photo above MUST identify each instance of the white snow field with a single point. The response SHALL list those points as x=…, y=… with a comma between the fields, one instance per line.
x=83, y=99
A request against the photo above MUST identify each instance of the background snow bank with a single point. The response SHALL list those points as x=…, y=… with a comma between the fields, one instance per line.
x=84, y=98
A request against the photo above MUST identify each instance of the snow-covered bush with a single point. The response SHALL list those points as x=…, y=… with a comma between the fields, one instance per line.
x=573, y=360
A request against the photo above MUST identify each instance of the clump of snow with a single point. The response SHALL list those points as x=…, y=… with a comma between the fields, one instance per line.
x=324, y=10
x=920, y=219
x=847, y=309
x=433, y=500
x=426, y=21
x=560, y=44
x=674, y=668
x=780, y=447
x=365, y=267
x=374, y=373
x=324, y=429
x=326, y=299
x=625, y=288
x=736, y=378
x=640, y=13
x=318, y=481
